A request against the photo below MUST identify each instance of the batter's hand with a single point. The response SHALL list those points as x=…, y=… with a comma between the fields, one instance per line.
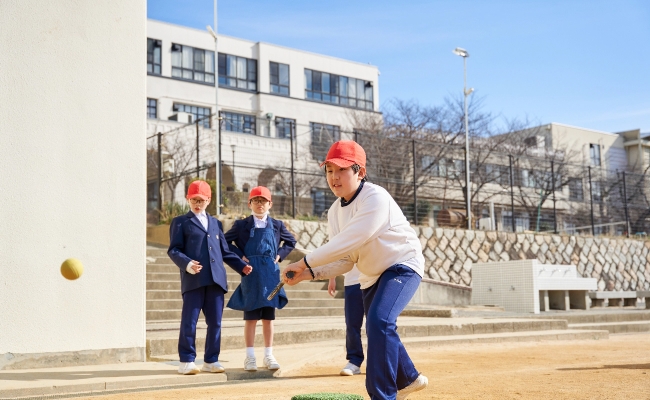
x=299, y=269
x=331, y=287
x=247, y=270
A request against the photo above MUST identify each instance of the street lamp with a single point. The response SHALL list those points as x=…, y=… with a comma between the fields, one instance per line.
x=215, y=65
x=233, y=146
x=466, y=92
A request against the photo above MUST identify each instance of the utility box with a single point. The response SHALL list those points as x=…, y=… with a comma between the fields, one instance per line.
x=529, y=286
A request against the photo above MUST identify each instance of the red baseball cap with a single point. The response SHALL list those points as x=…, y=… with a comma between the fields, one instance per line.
x=345, y=153
x=260, y=191
x=200, y=189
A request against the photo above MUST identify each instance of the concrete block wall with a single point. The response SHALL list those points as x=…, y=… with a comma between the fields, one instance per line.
x=617, y=264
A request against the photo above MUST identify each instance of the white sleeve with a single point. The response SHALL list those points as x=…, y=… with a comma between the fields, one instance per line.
x=333, y=269
x=189, y=268
x=365, y=225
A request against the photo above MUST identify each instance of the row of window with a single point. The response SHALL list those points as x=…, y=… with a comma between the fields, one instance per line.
x=233, y=122
x=198, y=65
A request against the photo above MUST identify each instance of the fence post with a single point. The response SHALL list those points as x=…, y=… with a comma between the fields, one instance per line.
x=591, y=201
x=293, y=184
x=415, y=187
x=554, y=200
x=356, y=135
x=198, y=167
x=512, y=195
x=627, y=215
x=160, y=172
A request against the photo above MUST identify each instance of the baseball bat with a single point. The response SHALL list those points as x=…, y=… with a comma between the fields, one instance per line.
x=277, y=288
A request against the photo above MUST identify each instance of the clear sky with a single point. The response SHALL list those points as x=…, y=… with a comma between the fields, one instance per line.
x=578, y=62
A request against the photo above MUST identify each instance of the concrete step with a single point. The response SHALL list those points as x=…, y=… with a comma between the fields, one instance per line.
x=596, y=316
x=568, y=334
x=175, y=294
x=162, y=338
x=177, y=304
x=156, y=315
x=175, y=284
x=616, y=327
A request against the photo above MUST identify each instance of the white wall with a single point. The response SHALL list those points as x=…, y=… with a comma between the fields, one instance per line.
x=72, y=156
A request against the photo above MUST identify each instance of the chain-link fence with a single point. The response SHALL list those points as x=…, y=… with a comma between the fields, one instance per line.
x=513, y=187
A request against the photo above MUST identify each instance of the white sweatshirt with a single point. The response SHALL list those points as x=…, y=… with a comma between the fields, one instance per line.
x=370, y=231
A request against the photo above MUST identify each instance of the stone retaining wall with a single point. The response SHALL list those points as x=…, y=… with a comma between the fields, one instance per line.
x=617, y=264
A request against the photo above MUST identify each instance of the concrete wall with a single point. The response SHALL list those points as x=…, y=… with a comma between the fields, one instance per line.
x=617, y=264
x=72, y=156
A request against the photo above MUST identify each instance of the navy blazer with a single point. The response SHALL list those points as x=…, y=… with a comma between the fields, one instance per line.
x=188, y=241
x=239, y=234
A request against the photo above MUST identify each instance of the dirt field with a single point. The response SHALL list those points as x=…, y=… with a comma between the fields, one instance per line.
x=618, y=368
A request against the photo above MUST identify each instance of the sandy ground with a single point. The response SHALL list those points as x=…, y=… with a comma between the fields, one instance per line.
x=618, y=368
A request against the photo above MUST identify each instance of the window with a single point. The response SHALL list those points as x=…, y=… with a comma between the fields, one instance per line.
x=575, y=189
x=335, y=89
x=237, y=72
x=239, y=123
x=283, y=127
x=152, y=108
x=199, y=113
x=527, y=178
x=522, y=222
x=594, y=155
x=192, y=64
x=596, y=191
x=279, y=78
x=322, y=137
x=153, y=56
x=322, y=199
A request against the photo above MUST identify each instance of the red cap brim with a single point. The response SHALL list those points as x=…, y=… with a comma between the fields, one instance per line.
x=339, y=161
x=200, y=196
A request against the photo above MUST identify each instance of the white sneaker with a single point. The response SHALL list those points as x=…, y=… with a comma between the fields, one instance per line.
x=250, y=364
x=188, y=368
x=350, y=369
x=420, y=383
x=271, y=363
x=212, y=367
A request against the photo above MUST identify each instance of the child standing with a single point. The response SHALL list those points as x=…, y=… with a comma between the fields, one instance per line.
x=257, y=240
x=369, y=229
x=195, y=241
x=353, y=305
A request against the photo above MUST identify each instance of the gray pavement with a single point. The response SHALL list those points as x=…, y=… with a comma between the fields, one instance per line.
x=162, y=374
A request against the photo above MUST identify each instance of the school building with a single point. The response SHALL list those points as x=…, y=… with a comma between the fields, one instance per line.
x=265, y=92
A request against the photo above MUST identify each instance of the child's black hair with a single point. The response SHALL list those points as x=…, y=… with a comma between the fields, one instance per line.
x=355, y=167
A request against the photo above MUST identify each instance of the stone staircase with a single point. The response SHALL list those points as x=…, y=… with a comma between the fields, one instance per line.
x=313, y=316
x=164, y=301
x=622, y=320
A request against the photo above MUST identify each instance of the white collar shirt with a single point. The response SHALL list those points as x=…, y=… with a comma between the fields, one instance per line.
x=203, y=219
x=260, y=222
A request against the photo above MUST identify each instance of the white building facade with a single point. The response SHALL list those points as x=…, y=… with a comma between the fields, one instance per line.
x=265, y=92
x=73, y=178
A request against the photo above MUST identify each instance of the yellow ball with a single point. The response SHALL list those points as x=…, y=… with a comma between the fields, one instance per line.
x=72, y=269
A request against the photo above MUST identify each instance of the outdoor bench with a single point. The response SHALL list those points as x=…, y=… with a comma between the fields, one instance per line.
x=615, y=298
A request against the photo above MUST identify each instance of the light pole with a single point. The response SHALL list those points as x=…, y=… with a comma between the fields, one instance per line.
x=233, y=146
x=466, y=92
x=217, y=162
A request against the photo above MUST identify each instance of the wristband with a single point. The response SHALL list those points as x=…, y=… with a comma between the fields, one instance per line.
x=309, y=268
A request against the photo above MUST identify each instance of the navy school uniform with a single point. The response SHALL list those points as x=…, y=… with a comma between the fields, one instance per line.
x=188, y=240
x=260, y=246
